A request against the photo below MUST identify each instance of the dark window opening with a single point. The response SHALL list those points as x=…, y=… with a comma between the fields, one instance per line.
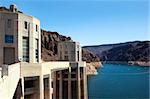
x=9, y=23
x=25, y=25
x=65, y=90
x=74, y=89
x=78, y=55
x=36, y=28
x=66, y=57
x=36, y=51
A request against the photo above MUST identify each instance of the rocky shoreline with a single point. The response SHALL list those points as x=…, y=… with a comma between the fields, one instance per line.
x=92, y=67
x=139, y=63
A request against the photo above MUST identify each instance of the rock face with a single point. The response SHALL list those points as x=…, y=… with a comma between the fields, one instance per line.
x=92, y=67
x=137, y=52
x=88, y=56
x=49, y=50
x=49, y=41
x=92, y=61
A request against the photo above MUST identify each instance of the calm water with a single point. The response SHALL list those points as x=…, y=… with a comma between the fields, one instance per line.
x=119, y=82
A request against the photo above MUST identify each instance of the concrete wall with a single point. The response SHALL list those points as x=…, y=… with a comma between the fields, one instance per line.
x=23, y=70
x=40, y=70
x=4, y=30
x=9, y=83
x=31, y=33
x=30, y=69
x=70, y=49
x=37, y=69
x=17, y=30
x=53, y=66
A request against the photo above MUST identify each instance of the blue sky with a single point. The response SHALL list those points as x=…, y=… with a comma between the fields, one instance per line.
x=90, y=22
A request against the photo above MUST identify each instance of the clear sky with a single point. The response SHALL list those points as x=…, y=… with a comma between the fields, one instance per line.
x=90, y=22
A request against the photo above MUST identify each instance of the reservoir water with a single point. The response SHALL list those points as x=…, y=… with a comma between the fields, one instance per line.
x=119, y=82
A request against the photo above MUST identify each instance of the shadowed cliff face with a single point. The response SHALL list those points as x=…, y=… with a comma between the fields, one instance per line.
x=49, y=41
x=88, y=56
x=123, y=52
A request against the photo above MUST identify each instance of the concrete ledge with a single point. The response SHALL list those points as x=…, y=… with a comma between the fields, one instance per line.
x=30, y=69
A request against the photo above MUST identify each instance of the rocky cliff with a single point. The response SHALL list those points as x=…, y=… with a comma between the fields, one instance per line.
x=137, y=52
x=49, y=50
x=49, y=41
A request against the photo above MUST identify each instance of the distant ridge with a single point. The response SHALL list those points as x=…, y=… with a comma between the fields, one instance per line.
x=122, y=52
x=114, y=44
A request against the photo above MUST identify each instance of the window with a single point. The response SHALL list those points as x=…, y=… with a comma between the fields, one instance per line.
x=36, y=28
x=36, y=50
x=66, y=57
x=9, y=23
x=46, y=83
x=25, y=24
x=25, y=50
x=78, y=55
x=65, y=46
x=66, y=52
x=9, y=38
x=60, y=55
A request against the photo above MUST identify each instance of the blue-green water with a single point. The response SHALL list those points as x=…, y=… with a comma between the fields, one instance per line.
x=119, y=82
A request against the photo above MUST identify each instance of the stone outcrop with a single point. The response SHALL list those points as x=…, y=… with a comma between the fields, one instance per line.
x=49, y=41
x=92, y=61
x=92, y=67
x=88, y=56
